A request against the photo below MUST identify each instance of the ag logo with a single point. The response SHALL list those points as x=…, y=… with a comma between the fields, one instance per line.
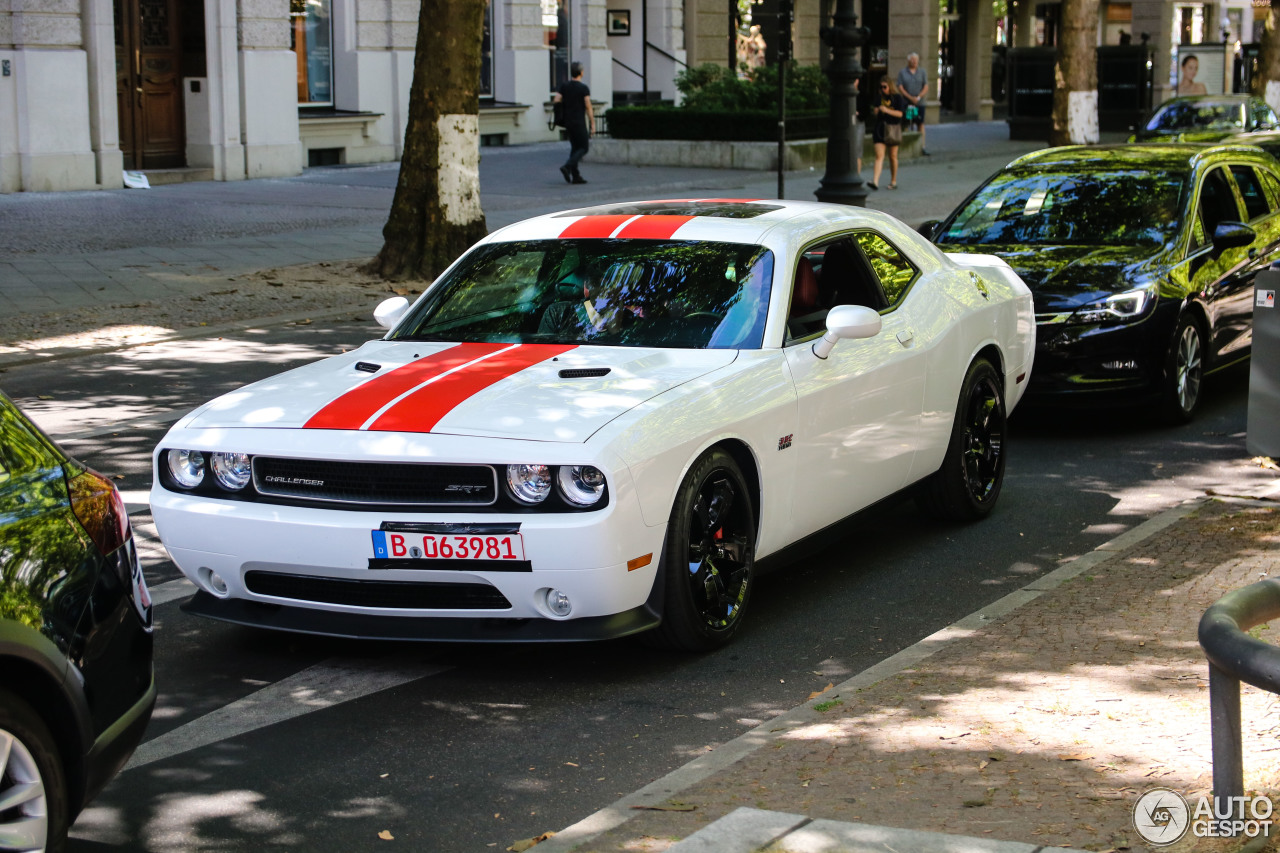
x=1161, y=816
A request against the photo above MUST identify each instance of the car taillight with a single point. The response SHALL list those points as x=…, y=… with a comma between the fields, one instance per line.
x=98, y=505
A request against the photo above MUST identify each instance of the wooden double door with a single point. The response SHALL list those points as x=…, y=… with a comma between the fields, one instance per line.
x=149, y=83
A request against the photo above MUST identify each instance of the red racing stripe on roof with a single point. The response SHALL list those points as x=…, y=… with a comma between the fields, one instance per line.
x=654, y=227
x=426, y=407
x=353, y=408
x=595, y=227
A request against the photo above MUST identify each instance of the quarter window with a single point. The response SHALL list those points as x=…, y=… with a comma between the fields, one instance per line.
x=894, y=271
x=1255, y=200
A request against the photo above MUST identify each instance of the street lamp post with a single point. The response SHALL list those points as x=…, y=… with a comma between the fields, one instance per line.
x=842, y=183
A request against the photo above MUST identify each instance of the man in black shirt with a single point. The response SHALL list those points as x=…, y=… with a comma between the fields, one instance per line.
x=579, y=121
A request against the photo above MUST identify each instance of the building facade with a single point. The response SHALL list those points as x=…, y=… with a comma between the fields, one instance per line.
x=259, y=88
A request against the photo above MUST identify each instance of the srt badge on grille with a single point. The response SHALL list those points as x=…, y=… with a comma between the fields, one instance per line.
x=465, y=489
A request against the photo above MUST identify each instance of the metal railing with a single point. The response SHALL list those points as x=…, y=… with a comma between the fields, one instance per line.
x=1235, y=656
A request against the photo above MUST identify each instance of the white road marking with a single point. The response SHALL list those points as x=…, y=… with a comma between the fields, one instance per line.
x=313, y=689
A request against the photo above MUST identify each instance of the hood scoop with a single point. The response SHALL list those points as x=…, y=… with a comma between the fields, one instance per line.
x=584, y=372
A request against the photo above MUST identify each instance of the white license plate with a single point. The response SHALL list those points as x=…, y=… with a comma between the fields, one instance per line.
x=388, y=545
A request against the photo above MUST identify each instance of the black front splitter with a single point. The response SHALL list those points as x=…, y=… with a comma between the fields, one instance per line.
x=434, y=629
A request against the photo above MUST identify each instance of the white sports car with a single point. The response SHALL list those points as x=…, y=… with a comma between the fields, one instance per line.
x=596, y=423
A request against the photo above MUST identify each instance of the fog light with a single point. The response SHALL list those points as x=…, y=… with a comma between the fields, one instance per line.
x=558, y=603
x=213, y=582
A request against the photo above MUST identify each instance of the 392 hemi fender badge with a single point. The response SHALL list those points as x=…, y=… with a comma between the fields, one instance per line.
x=785, y=442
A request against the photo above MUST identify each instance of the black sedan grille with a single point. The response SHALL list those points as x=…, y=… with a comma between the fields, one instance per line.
x=386, y=483
x=398, y=595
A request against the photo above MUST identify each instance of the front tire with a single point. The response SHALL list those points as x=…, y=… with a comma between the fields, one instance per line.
x=34, y=813
x=1184, y=373
x=710, y=557
x=967, y=485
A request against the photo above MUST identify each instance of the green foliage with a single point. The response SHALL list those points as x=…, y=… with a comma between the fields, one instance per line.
x=823, y=707
x=714, y=87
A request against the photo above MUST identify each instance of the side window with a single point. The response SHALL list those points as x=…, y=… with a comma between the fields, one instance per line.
x=1217, y=202
x=1255, y=199
x=893, y=270
x=1272, y=185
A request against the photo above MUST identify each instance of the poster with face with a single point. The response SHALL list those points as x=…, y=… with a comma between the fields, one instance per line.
x=1200, y=69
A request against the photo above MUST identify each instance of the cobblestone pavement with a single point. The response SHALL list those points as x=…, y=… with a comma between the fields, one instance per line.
x=1042, y=726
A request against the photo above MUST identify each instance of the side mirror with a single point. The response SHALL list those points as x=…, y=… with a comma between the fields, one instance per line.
x=847, y=322
x=389, y=312
x=929, y=228
x=1232, y=235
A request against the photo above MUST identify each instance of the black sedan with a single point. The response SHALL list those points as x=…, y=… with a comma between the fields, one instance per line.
x=76, y=686
x=1140, y=258
x=1206, y=118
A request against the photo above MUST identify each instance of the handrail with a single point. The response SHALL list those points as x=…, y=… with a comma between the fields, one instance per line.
x=1234, y=656
x=618, y=61
x=674, y=59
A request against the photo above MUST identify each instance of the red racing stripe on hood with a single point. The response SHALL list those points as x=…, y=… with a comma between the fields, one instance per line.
x=423, y=409
x=654, y=227
x=353, y=408
x=595, y=227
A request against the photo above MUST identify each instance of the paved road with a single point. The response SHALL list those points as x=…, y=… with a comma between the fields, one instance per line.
x=320, y=745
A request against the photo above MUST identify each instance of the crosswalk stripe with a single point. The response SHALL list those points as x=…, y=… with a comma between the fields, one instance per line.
x=313, y=689
x=163, y=593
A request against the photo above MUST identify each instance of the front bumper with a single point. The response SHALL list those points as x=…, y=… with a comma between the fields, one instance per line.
x=314, y=570
x=1099, y=366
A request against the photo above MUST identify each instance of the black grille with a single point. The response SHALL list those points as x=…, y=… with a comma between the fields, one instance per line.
x=397, y=595
x=384, y=483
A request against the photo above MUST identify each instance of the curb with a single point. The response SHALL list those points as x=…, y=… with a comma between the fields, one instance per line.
x=727, y=754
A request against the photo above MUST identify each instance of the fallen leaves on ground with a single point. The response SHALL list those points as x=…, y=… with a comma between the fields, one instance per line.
x=525, y=843
x=815, y=694
x=386, y=835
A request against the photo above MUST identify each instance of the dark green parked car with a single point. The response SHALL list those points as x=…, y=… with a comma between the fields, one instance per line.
x=1205, y=118
x=1140, y=259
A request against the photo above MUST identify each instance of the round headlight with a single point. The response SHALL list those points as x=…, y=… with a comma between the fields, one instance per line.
x=529, y=484
x=232, y=470
x=581, y=485
x=186, y=467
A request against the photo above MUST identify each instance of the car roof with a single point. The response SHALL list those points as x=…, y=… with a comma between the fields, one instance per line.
x=1220, y=99
x=724, y=219
x=1154, y=155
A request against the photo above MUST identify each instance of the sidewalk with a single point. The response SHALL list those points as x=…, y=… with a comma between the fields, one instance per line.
x=146, y=264
x=1039, y=720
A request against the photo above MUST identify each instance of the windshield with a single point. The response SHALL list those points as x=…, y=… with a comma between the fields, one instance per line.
x=1121, y=207
x=1199, y=115
x=638, y=293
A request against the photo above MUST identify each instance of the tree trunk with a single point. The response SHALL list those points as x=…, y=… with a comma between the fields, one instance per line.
x=1075, y=94
x=436, y=213
x=1266, y=83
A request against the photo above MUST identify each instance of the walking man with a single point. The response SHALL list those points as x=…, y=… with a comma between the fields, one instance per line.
x=579, y=121
x=912, y=85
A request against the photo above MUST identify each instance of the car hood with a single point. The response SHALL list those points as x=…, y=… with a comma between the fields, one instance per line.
x=522, y=391
x=1062, y=278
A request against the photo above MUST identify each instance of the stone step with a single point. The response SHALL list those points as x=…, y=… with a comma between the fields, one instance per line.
x=157, y=177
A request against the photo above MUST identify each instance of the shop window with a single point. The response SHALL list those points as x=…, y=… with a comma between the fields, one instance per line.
x=311, y=35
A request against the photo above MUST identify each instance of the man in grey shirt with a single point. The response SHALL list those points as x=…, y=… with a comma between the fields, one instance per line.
x=912, y=84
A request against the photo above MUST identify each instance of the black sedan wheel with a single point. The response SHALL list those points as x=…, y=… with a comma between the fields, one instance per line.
x=33, y=798
x=1184, y=372
x=710, y=556
x=967, y=485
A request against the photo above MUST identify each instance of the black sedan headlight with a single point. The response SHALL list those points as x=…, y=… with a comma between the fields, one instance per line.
x=1126, y=307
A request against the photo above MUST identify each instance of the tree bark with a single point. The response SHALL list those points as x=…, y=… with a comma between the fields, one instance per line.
x=1266, y=83
x=1075, y=94
x=436, y=214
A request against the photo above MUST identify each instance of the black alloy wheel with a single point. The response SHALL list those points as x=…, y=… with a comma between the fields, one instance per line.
x=1185, y=371
x=710, y=557
x=967, y=485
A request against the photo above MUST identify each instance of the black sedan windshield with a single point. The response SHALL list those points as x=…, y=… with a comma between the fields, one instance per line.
x=640, y=293
x=1119, y=207
x=1198, y=115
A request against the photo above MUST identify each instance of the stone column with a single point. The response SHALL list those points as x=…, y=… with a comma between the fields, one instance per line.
x=268, y=90
x=104, y=121
x=913, y=26
x=980, y=25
